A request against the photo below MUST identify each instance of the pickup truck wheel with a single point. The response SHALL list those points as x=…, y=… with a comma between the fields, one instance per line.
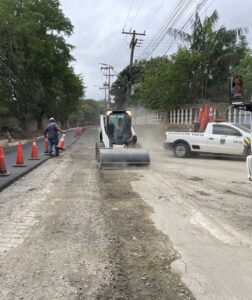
x=181, y=150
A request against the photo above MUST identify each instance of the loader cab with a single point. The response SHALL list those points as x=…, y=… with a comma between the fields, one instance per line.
x=118, y=127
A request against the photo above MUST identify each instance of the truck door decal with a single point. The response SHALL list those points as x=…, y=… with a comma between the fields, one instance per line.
x=246, y=141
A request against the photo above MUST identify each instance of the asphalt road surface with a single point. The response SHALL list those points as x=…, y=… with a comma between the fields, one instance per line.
x=180, y=229
x=11, y=154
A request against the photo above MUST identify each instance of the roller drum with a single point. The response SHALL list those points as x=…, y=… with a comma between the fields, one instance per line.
x=120, y=157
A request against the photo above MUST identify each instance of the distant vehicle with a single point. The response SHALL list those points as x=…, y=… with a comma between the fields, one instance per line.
x=221, y=138
x=117, y=143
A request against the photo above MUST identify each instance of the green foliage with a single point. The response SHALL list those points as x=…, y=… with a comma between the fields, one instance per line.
x=196, y=73
x=167, y=83
x=88, y=113
x=120, y=87
x=35, y=61
x=214, y=53
x=152, y=86
x=245, y=69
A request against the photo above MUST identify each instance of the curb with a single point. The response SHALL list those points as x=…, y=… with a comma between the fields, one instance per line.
x=4, y=186
x=32, y=167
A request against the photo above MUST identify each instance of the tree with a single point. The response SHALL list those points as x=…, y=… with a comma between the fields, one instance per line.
x=168, y=82
x=245, y=69
x=120, y=86
x=152, y=88
x=197, y=72
x=35, y=60
x=88, y=113
x=119, y=89
x=220, y=50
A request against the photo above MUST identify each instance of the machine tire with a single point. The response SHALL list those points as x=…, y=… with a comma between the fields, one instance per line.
x=181, y=150
x=98, y=145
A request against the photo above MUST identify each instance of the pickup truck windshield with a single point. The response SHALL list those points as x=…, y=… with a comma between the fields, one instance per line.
x=244, y=128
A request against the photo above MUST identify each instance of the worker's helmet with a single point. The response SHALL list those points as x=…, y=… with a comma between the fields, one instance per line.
x=52, y=119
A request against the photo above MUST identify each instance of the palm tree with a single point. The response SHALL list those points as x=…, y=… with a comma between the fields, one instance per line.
x=219, y=51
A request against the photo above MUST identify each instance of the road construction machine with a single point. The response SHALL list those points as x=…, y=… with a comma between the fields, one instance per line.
x=118, y=145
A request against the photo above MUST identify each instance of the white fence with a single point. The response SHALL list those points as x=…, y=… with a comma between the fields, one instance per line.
x=150, y=119
x=190, y=115
x=141, y=116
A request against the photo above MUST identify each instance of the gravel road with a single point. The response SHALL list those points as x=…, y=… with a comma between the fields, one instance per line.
x=180, y=229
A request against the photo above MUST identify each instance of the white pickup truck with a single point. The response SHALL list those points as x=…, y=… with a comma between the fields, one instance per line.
x=220, y=138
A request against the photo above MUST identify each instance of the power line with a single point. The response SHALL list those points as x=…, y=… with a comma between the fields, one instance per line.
x=137, y=13
x=184, y=25
x=108, y=74
x=117, y=44
x=175, y=15
x=212, y=44
x=198, y=8
x=167, y=19
x=155, y=13
x=126, y=20
x=179, y=13
x=162, y=31
x=133, y=44
x=139, y=9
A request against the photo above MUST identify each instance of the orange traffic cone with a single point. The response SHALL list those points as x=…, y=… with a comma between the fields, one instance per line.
x=20, y=159
x=61, y=142
x=46, y=146
x=3, y=171
x=34, y=153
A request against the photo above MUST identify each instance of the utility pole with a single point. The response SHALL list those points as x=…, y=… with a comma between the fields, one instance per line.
x=105, y=90
x=133, y=44
x=108, y=74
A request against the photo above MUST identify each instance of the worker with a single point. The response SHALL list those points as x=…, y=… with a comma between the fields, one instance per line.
x=51, y=132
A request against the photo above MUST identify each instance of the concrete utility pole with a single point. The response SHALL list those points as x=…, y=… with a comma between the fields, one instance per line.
x=133, y=44
x=108, y=74
x=105, y=87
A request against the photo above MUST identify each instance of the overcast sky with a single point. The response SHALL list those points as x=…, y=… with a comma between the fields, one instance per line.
x=98, y=26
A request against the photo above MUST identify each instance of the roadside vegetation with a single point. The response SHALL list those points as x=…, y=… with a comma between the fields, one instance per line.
x=197, y=72
x=36, y=76
x=88, y=113
x=37, y=79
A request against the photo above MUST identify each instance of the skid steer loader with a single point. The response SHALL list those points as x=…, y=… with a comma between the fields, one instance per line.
x=117, y=145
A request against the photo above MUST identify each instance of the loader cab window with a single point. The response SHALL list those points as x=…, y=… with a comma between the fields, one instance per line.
x=119, y=127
